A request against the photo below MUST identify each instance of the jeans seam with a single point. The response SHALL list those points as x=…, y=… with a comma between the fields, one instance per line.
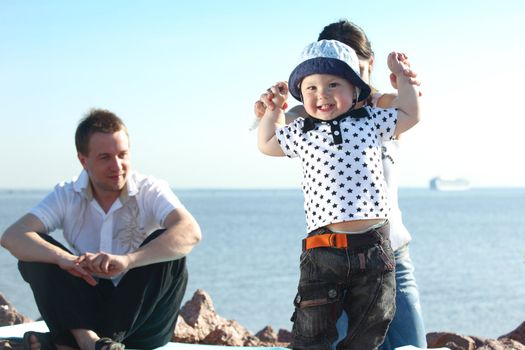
x=361, y=321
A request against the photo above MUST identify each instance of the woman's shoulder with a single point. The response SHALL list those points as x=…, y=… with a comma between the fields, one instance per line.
x=385, y=100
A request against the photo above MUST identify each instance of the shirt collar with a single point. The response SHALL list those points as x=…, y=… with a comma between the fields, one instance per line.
x=81, y=185
x=310, y=122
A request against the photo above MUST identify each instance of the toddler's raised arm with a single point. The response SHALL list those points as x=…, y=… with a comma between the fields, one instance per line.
x=272, y=119
x=408, y=95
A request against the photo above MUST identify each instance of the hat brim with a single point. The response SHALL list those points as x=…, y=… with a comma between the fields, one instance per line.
x=325, y=65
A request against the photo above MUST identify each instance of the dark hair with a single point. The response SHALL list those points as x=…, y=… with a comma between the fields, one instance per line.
x=350, y=34
x=96, y=120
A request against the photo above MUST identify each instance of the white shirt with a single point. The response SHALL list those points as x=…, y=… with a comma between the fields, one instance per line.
x=342, y=170
x=399, y=235
x=140, y=210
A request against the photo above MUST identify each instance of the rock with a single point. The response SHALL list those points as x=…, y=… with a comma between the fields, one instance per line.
x=451, y=340
x=517, y=334
x=184, y=333
x=267, y=334
x=199, y=323
x=503, y=344
x=8, y=314
x=455, y=341
x=199, y=314
x=231, y=333
x=284, y=336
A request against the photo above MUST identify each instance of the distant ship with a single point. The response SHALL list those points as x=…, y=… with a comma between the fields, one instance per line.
x=449, y=184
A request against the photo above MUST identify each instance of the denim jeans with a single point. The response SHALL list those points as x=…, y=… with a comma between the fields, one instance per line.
x=358, y=282
x=407, y=328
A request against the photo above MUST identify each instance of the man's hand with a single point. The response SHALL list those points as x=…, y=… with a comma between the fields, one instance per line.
x=103, y=264
x=72, y=266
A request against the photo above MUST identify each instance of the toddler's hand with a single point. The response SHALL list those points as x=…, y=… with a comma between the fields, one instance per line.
x=268, y=100
x=280, y=94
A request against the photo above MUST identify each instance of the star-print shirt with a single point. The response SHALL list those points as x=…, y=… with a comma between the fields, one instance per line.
x=341, y=160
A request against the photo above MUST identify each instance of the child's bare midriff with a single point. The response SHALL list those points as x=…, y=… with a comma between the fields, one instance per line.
x=354, y=225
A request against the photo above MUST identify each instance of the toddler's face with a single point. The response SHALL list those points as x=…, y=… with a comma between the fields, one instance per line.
x=326, y=96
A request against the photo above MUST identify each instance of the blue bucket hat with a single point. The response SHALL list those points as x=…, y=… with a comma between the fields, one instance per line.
x=328, y=57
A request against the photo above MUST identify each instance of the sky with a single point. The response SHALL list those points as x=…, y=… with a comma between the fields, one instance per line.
x=184, y=75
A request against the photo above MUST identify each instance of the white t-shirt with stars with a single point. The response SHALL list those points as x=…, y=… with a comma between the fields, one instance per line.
x=342, y=170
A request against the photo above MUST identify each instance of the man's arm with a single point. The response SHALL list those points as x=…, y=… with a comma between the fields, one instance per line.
x=22, y=240
x=181, y=235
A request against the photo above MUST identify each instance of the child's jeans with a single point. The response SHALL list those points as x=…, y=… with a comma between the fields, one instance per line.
x=356, y=282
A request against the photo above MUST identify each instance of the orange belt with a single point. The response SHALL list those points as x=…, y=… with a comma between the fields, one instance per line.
x=334, y=240
x=343, y=240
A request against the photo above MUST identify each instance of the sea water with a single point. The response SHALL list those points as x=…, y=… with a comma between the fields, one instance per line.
x=468, y=248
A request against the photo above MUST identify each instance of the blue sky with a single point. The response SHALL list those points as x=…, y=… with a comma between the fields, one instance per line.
x=184, y=76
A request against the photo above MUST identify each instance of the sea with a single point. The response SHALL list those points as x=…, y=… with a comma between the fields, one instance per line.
x=468, y=248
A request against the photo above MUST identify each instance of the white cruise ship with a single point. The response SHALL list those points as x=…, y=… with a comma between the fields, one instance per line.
x=449, y=184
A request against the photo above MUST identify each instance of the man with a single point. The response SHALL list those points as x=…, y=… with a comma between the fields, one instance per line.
x=123, y=277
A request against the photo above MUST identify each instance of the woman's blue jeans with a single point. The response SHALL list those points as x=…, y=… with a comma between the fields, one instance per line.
x=407, y=327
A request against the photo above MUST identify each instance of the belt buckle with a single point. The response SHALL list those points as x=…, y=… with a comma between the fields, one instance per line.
x=332, y=239
x=338, y=243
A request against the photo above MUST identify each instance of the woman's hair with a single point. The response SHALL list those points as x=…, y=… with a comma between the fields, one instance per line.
x=350, y=34
x=97, y=120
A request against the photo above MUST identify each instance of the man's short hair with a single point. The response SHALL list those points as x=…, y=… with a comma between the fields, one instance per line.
x=96, y=120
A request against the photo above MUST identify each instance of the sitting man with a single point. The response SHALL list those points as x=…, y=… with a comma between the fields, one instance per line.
x=122, y=278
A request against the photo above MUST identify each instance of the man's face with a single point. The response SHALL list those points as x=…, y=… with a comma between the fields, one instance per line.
x=107, y=162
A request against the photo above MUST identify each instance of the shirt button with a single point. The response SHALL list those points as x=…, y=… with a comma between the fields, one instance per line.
x=335, y=122
x=336, y=132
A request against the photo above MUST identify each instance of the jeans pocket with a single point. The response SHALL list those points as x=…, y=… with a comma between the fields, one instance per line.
x=387, y=256
x=306, y=257
x=317, y=308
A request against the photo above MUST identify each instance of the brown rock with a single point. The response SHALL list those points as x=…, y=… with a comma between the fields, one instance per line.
x=231, y=333
x=199, y=323
x=451, y=340
x=517, y=334
x=199, y=314
x=184, y=333
x=284, y=336
x=478, y=341
x=267, y=334
x=504, y=344
x=461, y=342
x=8, y=314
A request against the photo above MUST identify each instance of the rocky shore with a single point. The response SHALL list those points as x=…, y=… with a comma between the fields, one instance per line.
x=198, y=323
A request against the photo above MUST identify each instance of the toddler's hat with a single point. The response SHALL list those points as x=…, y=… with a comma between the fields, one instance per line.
x=328, y=57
